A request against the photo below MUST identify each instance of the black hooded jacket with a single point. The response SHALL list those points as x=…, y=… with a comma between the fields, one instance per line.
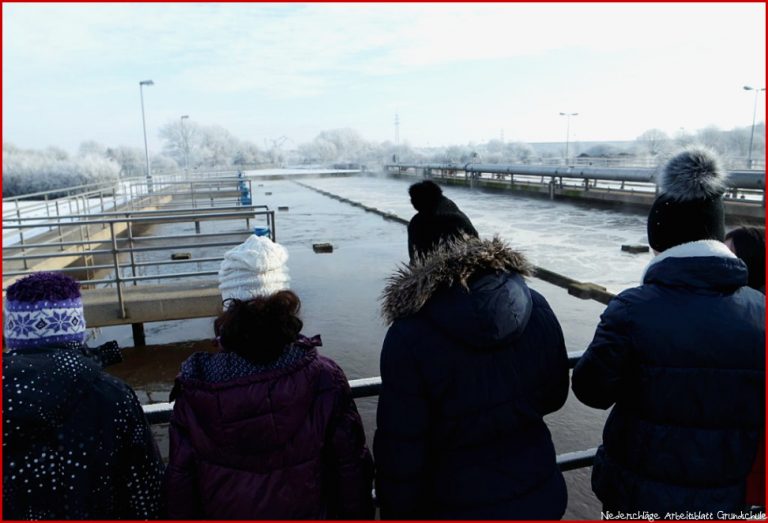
x=467, y=375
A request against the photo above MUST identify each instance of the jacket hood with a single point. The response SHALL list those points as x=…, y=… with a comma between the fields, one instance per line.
x=41, y=388
x=250, y=413
x=472, y=289
x=704, y=264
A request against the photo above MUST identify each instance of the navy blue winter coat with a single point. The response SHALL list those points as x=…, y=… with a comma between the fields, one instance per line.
x=467, y=375
x=682, y=360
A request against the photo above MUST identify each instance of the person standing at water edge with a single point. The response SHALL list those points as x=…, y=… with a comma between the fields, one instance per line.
x=76, y=444
x=471, y=363
x=681, y=359
x=437, y=216
x=266, y=428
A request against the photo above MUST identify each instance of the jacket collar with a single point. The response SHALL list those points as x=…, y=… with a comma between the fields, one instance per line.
x=703, y=263
x=455, y=261
x=696, y=249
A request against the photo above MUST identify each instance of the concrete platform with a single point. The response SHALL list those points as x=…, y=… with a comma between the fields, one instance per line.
x=147, y=303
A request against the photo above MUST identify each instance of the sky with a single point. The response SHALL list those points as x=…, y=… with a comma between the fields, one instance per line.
x=454, y=73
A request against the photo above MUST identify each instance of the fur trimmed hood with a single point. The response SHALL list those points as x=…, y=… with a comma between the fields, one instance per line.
x=451, y=262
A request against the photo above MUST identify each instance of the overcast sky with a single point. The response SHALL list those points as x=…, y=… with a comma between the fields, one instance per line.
x=454, y=73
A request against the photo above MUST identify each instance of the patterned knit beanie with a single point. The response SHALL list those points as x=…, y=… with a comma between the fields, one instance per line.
x=43, y=309
x=254, y=268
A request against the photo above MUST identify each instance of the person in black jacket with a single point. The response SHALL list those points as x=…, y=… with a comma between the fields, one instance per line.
x=76, y=444
x=471, y=363
x=681, y=359
x=437, y=217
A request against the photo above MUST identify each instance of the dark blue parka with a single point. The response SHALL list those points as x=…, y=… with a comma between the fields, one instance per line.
x=682, y=357
x=467, y=375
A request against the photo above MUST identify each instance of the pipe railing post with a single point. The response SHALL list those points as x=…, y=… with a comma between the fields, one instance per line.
x=47, y=212
x=129, y=222
x=21, y=236
x=118, y=278
x=58, y=220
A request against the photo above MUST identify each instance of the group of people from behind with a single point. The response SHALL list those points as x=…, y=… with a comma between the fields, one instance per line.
x=474, y=358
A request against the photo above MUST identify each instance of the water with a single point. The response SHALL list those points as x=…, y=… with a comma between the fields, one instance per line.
x=340, y=291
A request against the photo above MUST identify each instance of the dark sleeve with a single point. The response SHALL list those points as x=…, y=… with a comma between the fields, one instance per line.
x=552, y=396
x=181, y=476
x=400, y=442
x=350, y=461
x=597, y=378
x=411, y=236
x=140, y=478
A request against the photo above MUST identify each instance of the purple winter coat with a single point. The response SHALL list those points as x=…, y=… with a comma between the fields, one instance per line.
x=280, y=443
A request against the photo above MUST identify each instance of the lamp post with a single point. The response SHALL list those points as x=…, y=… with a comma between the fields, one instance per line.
x=754, y=114
x=144, y=127
x=567, y=132
x=186, y=144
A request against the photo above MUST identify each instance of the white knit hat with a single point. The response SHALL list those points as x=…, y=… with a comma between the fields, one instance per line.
x=256, y=267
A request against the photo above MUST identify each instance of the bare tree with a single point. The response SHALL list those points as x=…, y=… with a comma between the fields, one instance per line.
x=653, y=142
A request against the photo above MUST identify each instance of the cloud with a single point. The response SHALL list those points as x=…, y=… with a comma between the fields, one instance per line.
x=302, y=50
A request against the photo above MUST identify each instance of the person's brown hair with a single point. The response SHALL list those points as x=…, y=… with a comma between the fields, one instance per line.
x=259, y=329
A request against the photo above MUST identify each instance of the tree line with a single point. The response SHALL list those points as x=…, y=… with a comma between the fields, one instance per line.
x=189, y=145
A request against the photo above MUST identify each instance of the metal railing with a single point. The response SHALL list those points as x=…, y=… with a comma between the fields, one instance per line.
x=741, y=182
x=112, y=239
x=158, y=413
x=72, y=203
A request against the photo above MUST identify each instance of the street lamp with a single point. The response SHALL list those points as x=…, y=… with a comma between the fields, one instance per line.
x=754, y=114
x=186, y=144
x=567, y=132
x=144, y=126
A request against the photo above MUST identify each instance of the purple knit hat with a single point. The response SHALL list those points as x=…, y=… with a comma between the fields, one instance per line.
x=43, y=309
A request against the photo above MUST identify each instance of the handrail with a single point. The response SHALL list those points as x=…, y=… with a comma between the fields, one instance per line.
x=140, y=213
x=158, y=413
x=122, y=196
x=147, y=219
x=108, y=230
x=737, y=179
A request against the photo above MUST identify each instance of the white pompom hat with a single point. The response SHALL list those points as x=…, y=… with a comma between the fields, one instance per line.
x=256, y=267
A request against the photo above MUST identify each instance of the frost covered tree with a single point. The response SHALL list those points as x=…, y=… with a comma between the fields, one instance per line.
x=653, y=142
x=519, y=152
x=31, y=171
x=161, y=163
x=130, y=159
x=247, y=154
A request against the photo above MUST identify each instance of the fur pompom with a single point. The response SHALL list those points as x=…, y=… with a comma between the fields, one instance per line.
x=425, y=195
x=695, y=173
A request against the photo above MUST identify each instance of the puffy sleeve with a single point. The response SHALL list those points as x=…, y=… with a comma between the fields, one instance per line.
x=350, y=460
x=140, y=477
x=597, y=378
x=181, y=490
x=400, y=442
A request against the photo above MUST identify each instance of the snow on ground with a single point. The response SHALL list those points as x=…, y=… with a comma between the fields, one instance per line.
x=47, y=211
